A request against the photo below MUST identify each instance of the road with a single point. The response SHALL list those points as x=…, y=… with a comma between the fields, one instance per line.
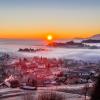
x=71, y=92
x=17, y=94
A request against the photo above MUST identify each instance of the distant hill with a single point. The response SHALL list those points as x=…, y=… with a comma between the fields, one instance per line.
x=77, y=38
x=92, y=39
x=95, y=37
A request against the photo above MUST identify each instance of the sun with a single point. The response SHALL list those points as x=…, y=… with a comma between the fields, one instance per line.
x=49, y=37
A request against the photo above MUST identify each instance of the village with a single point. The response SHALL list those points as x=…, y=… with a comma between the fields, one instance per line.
x=49, y=71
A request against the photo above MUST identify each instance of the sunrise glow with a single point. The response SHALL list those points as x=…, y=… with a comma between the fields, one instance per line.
x=36, y=18
x=49, y=37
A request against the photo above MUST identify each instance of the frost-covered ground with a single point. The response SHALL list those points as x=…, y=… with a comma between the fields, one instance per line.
x=18, y=94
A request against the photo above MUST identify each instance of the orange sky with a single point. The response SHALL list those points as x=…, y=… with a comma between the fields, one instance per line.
x=30, y=19
x=42, y=33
